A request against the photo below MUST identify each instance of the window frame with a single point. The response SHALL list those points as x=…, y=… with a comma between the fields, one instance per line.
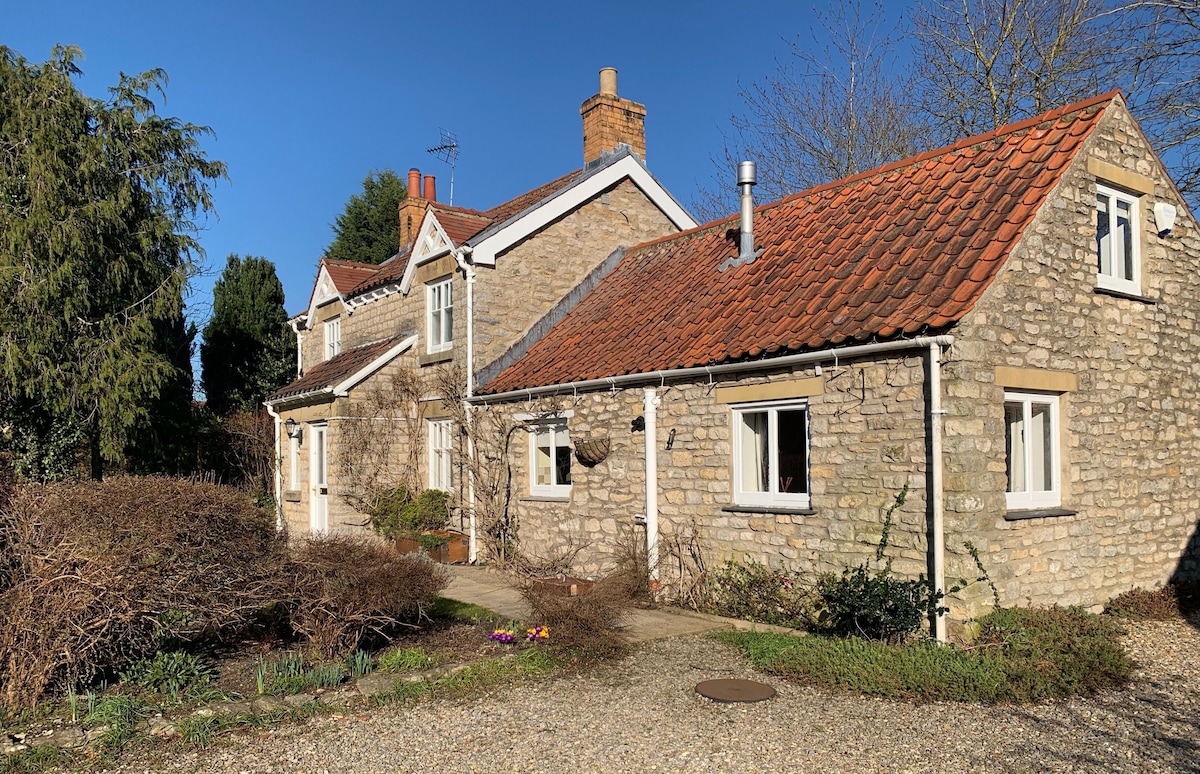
x=1028, y=499
x=446, y=312
x=536, y=429
x=333, y=337
x=773, y=497
x=1114, y=281
x=439, y=459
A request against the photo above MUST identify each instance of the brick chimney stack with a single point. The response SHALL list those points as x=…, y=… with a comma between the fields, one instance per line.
x=412, y=209
x=609, y=120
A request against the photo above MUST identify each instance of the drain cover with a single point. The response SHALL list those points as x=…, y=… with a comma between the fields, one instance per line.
x=734, y=690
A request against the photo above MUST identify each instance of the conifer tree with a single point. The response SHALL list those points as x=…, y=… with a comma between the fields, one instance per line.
x=368, y=230
x=249, y=350
x=99, y=201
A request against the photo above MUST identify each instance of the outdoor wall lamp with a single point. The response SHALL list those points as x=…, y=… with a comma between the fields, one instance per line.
x=293, y=430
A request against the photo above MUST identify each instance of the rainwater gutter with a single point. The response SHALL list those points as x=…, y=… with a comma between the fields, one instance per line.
x=935, y=507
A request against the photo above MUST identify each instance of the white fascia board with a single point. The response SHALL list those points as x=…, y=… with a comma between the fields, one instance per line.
x=299, y=398
x=422, y=252
x=342, y=389
x=324, y=291
x=486, y=251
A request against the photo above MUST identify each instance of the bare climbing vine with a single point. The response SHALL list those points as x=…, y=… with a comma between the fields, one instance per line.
x=380, y=439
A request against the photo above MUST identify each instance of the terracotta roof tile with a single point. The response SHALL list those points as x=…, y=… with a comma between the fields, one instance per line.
x=347, y=274
x=335, y=370
x=903, y=249
x=460, y=224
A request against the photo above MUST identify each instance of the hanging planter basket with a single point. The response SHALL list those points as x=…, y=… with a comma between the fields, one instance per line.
x=592, y=451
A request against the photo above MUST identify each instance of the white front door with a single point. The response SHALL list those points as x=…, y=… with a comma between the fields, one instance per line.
x=318, y=494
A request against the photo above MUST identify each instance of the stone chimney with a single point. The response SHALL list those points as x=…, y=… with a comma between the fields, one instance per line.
x=609, y=121
x=412, y=209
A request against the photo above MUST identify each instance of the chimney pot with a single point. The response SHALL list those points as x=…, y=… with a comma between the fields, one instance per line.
x=608, y=81
x=414, y=183
x=430, y=188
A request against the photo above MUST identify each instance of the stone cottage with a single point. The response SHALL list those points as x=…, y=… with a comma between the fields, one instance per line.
x=377, y=343
x=1006, y=326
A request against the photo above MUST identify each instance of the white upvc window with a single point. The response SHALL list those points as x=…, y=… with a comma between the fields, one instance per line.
x=333, y=337
x=1031, y=441
x=770, y=454
x=1118, y=254
x=440, y=448
x=440, y=328
x=550, y=458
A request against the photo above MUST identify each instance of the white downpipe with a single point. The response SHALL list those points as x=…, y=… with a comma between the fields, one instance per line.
x=936, y=507
x=278, y=471
x=650, y=401
x=461, y=256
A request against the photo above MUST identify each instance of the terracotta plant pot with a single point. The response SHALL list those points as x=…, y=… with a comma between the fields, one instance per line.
x=452, y=547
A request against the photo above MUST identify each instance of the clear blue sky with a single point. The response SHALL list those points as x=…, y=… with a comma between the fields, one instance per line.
x=306, y=98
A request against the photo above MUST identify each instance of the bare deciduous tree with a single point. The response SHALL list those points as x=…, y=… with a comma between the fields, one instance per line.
x=1166, y=91
x=379, y=441
x=985, y=63
x=828, y=111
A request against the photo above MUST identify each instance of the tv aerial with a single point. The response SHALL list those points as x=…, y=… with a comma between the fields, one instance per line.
x=447, y=151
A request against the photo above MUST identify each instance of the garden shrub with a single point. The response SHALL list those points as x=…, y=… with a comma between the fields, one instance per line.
x=397, y=512
x=875, y=605
x=755, y=592
x=587, y=625
x=101, y=573
x=1173, y=600
x=344, y=587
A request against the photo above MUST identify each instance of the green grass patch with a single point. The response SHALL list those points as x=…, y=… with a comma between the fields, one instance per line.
x=34, y=760
x=531, y=662
x=1021, y=655
x=444, y=607
x=399, y=660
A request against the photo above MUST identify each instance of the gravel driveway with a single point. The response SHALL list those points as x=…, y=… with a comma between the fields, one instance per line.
x=643, y=715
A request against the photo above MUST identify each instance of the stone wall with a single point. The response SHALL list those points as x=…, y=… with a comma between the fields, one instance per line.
x=1130, y=441
x=867, y=428
x=530, y=278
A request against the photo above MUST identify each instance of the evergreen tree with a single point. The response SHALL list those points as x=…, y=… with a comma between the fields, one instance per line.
x=368, y=230
x=98, y=203
x=249, y=350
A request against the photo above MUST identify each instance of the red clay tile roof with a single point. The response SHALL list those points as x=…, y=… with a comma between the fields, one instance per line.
x=334, y=371
x=347, y=274
x=460, y=224
x=905, y=248
x=502, y=212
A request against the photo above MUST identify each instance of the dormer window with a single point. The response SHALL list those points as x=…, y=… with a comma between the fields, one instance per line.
x=440, y=329
x=333, y=338
x=1118, y=255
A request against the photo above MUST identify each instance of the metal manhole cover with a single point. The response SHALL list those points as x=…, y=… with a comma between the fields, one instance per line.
x=734, y=690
